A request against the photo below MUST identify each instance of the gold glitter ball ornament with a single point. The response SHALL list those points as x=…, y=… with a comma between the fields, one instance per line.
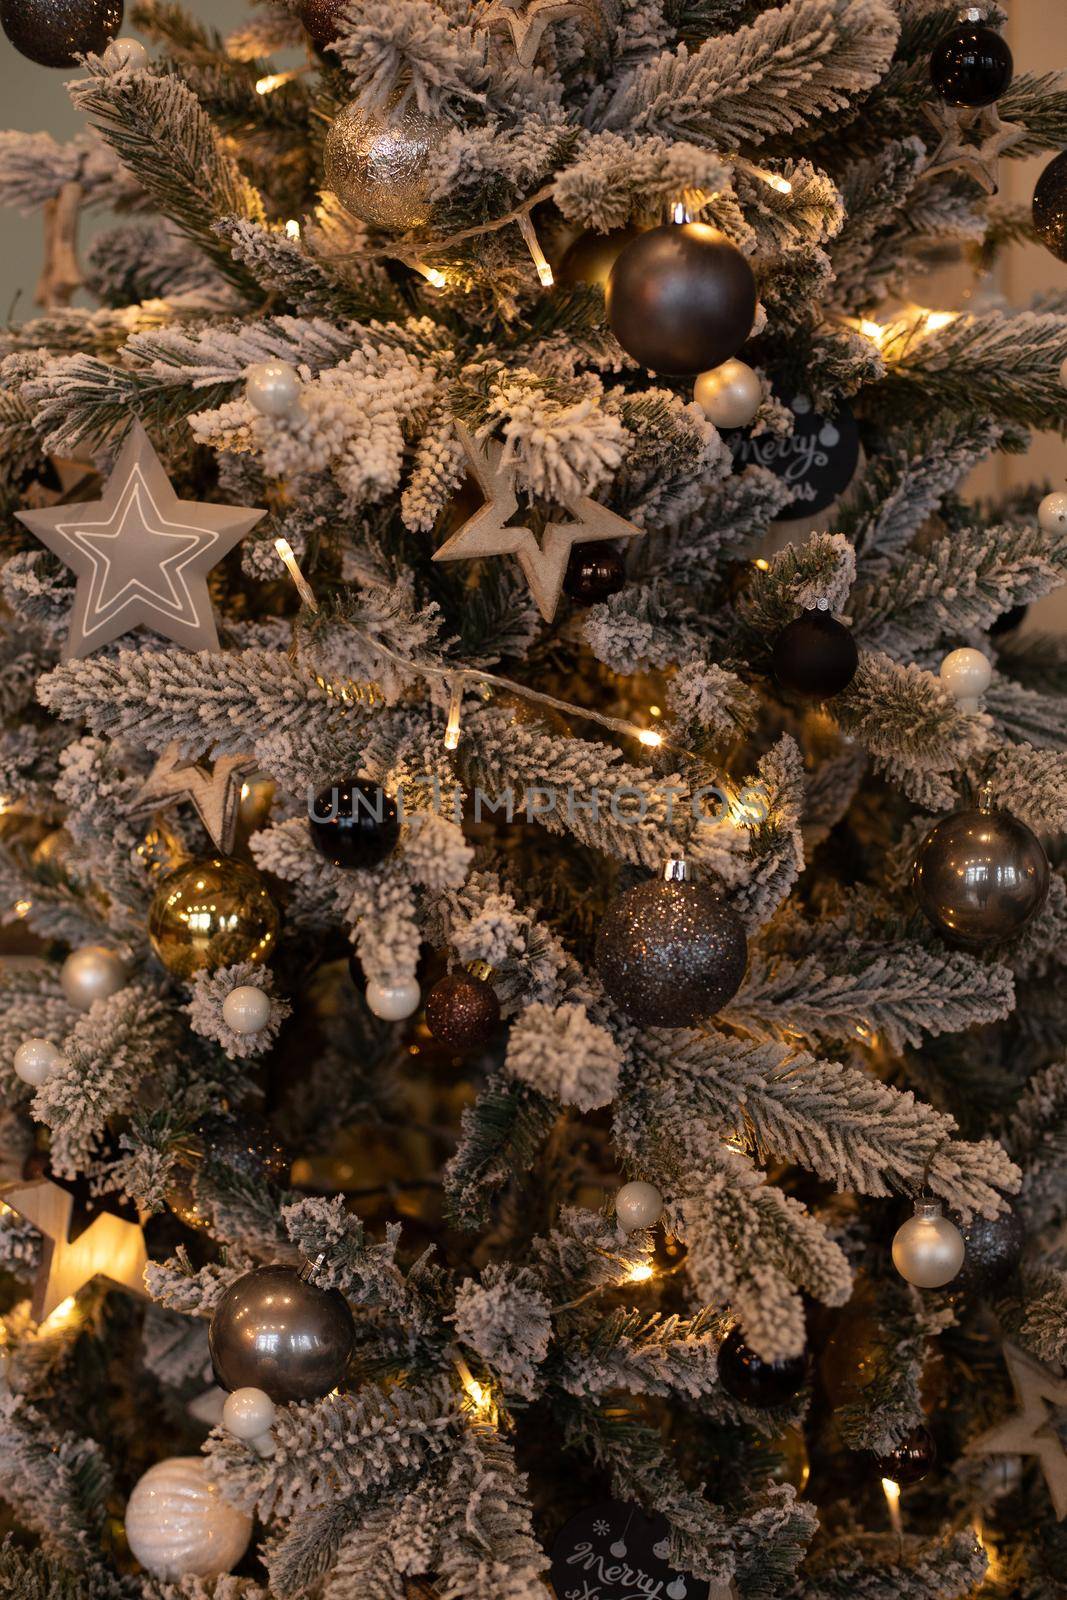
x=210, y=913
x=377, y=164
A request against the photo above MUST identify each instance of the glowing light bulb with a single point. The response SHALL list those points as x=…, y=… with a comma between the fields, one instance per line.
x=641, y=1273
x=304, y=589
x=292, y=229
x=433, y=275
x=649, y=737
x=891, y=1491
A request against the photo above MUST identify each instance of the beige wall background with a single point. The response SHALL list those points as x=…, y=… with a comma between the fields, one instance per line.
x=33, y=97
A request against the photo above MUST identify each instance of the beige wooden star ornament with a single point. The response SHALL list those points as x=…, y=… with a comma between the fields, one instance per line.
x=110, y=1247
x=976, y=158
x=488, y=533
x=1038, y=1428
x=214, y=788
x=527, y=22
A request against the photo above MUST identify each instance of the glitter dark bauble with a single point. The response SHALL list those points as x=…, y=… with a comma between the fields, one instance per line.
x=321, y=20
x=594, y=573
x=229, y=1142
x=971, y=66
x=592, y=255
x=462, y=1011
x=994, y=1250
x=755, y=1382
x=681, y=298
x=54, y=33
x=671, y=954
x=272, y=1330
x=377, y=164
x=1050, y=206
x=911, y=1460
x=815, y=655
x=979, y=876
x=354, y=824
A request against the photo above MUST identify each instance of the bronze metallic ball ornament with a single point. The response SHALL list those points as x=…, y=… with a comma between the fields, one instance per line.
x=592, y=255
x=277, y=1331
x=980, y=875
x=681, y=298
x=212, y=912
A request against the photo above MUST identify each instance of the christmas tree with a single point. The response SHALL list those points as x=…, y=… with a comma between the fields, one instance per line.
x=532, y=834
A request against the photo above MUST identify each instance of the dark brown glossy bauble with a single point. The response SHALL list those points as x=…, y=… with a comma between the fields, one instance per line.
x=462, y=1011
x=815, y=655
x=979, y=876
x=681, y=298
x=671, y=954
x=594, y=573
x=54, y=33
x=994, y=1250
x=911, y=1460
x=971, y=66
x=1050, y=206
x=354, y=824
x=275, y=1331
x=592, y=255
x=321, y=20
x=755, y=1382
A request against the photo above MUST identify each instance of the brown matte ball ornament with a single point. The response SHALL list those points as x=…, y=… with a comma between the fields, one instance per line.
x=681, y=298
x=670, y=953
x=462, y=1010
x=1050, y=207
x=275, y=1330
x=54, y=33
x=979, y=876
x=815, y=656
x=211, y=913
x=377, y=164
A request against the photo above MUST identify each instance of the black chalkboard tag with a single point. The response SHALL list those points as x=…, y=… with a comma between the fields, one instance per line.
x=818, y=460
x=616, y=1552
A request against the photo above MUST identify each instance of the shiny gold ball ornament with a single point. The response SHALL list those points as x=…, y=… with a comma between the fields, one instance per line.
x=980, y=875
x=377, y=164
x=212, y=912
x=592, y=255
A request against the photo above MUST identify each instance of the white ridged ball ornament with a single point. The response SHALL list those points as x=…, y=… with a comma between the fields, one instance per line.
x=928, y=1250
x=394, y=1001
x=92, y=973
x=730, y=395
x=36, y=1060
x=638, y=1205
x=273, y=387
x=179, y=1526
x=966, y=675
x=246, y=1009
x=1052, y=513
x=126, y=55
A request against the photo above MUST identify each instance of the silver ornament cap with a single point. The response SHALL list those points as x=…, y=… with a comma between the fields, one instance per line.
x=928, y=1249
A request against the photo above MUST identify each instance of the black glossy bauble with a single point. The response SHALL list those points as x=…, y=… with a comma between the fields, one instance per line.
x=273, y=1330
x=994, y=1250
x=755, y=1382
x=815, y=655
x=911, y=1460
x=681, y=298
x=321, y=19
x=354, y=824
x=971, y=66
x=54, y=33
x=671, y=954
x=1050, y=206
x=594, y=573
x=462, y=1011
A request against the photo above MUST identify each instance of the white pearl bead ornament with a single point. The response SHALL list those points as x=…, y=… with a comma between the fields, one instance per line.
x=36, y=1060
x=179, y=1526
x=92, y=973
x=730, y=395
x=638, y=1205
x=928, y=1250
x=246, y=1009
x=394, y=1001
x=273, y=387
x=966, y=675
x=1052, y=513
x=249, y=1415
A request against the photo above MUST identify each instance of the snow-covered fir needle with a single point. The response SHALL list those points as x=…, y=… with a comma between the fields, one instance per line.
x=533, y=244
x=304, y=589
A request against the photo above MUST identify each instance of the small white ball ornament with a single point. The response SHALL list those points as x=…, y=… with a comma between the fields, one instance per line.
x=246, y=1009
x=179, y=1526
x=928, y=1250
x=273, y=387
x=730, y=395
x=966, y=675
x=92, y=973
x=394, y=1001
x=1052, y=513
x=126, y=55
x=638, y=1205
x=249, y=1415
x=36, y=1060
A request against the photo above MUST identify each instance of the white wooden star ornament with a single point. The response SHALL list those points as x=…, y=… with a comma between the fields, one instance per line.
x=975, y=157
x=141, y=556
x=1038, y=1428
x=488, y=533
x=213, y=788
x=527, y=22
x=110, y=1247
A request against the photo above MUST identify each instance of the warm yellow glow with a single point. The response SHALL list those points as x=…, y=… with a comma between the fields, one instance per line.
x=455, y=709
x=891, y=1491
x=537, y=255
x=6, y=803
x=655, y=711
x=774, y=181
x=872, y=331
x=23, y=907
x=285, y=550
x=481, y=1398
x=273, y=80
x=933, y=320
x=641, y=1273
x=649, y=737
x=432, y=274
x=292, y=228
x=764, y=566
x=61, y=1317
